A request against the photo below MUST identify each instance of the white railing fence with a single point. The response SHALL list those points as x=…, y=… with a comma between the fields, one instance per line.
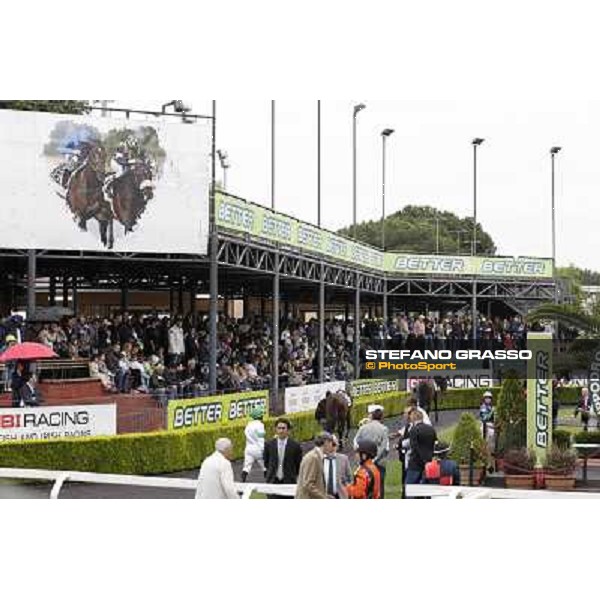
x=60, y=477
x=246, y=489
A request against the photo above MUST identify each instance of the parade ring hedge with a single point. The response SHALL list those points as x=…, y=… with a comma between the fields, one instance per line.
x=169, y=452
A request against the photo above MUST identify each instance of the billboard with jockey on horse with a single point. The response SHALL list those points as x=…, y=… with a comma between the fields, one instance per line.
x=89, y=183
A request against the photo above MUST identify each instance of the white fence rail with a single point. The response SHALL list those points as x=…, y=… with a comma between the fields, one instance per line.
x=60, y=477
x=246, y=489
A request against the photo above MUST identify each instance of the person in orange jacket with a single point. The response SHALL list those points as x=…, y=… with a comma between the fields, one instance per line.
x=367, y=479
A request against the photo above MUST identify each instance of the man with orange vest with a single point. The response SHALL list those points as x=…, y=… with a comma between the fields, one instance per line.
x=441, y=470
x=367, y=478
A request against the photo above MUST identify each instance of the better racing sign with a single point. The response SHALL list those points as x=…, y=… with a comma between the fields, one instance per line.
x=22, y=424
x=214, y=410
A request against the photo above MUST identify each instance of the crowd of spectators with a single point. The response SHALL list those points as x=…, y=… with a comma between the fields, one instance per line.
x=170, y=357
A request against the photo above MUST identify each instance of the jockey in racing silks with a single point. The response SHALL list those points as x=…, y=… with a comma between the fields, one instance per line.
x=367, y=478
x=255, y=442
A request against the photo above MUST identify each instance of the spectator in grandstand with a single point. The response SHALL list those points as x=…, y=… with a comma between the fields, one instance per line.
x=422, y=439
x=311, y=477
x=215, y=479
x=176, y=342
x=99, y=370
x=28, y=392
x=255, y=443
x=9, y=341
x=282, y=456
x=375, y=431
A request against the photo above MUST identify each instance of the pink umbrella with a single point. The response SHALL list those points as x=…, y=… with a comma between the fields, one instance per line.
x=27, y=351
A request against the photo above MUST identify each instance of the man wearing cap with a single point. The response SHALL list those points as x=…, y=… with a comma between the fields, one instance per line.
x=255, y=442
x=311, y=478
x=486, y=415
x=375, y=431
x=441, y=470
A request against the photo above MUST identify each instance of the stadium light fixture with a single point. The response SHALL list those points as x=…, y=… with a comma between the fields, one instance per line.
x=384, y=135
x=357, y=109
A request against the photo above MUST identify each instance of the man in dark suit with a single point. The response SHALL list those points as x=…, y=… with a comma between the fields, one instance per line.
x=422, y=442
x=282, y=456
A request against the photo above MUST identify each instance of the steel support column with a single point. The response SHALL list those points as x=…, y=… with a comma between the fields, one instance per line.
x=474, y=313
x=322, y=325
x=65, y=301
x=31, y=276
x=52, y=291
x=75, y=296
x=275, y=359
x=214, y=272
x=124, y=295
x=385, y=301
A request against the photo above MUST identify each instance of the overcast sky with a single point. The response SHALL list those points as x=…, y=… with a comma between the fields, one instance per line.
x=429, y=161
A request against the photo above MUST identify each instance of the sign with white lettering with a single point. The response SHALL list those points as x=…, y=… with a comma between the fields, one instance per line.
x=50, y=422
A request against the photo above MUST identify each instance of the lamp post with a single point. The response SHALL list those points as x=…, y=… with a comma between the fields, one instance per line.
x=223, y=159
x=553, y=152
x=357, y=109
x=476, y=143
x=385, y=134
x=273, y=154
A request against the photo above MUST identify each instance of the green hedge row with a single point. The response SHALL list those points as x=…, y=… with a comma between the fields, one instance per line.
x=587, y=437
x=569, y=395
x=168, y=452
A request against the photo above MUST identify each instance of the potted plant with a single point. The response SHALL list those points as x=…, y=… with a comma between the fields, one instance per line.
x=468, y=444
x=559, y=468
x=518, y=468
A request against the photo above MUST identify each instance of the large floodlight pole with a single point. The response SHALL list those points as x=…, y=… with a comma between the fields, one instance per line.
x=385, y=134
x=273, y=154
x=476, y=143
x=214, y=272
x=318, y=163
x=355, y=112
x=553, y=152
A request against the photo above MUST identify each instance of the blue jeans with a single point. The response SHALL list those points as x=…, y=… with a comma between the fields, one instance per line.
x=413, y=476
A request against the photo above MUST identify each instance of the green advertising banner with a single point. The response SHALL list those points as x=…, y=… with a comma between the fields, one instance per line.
x=212, y=410
x=539, y=394
x=257, y=221
x=364, y=387
x=480, y=266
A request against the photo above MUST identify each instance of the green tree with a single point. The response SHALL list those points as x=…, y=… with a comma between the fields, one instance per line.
x=422, y=229
x=72, y=107
x=511, y=415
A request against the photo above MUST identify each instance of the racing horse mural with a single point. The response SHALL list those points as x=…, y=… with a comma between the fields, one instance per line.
x=130, y=193
x=85, y=195
x=105, y=175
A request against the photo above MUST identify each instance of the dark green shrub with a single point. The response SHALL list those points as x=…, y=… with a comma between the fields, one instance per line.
x=587, y=437
x=561, y=438
x=468, y=435
x=511, y=415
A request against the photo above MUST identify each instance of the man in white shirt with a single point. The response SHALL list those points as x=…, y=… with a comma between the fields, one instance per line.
x=215, y=480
